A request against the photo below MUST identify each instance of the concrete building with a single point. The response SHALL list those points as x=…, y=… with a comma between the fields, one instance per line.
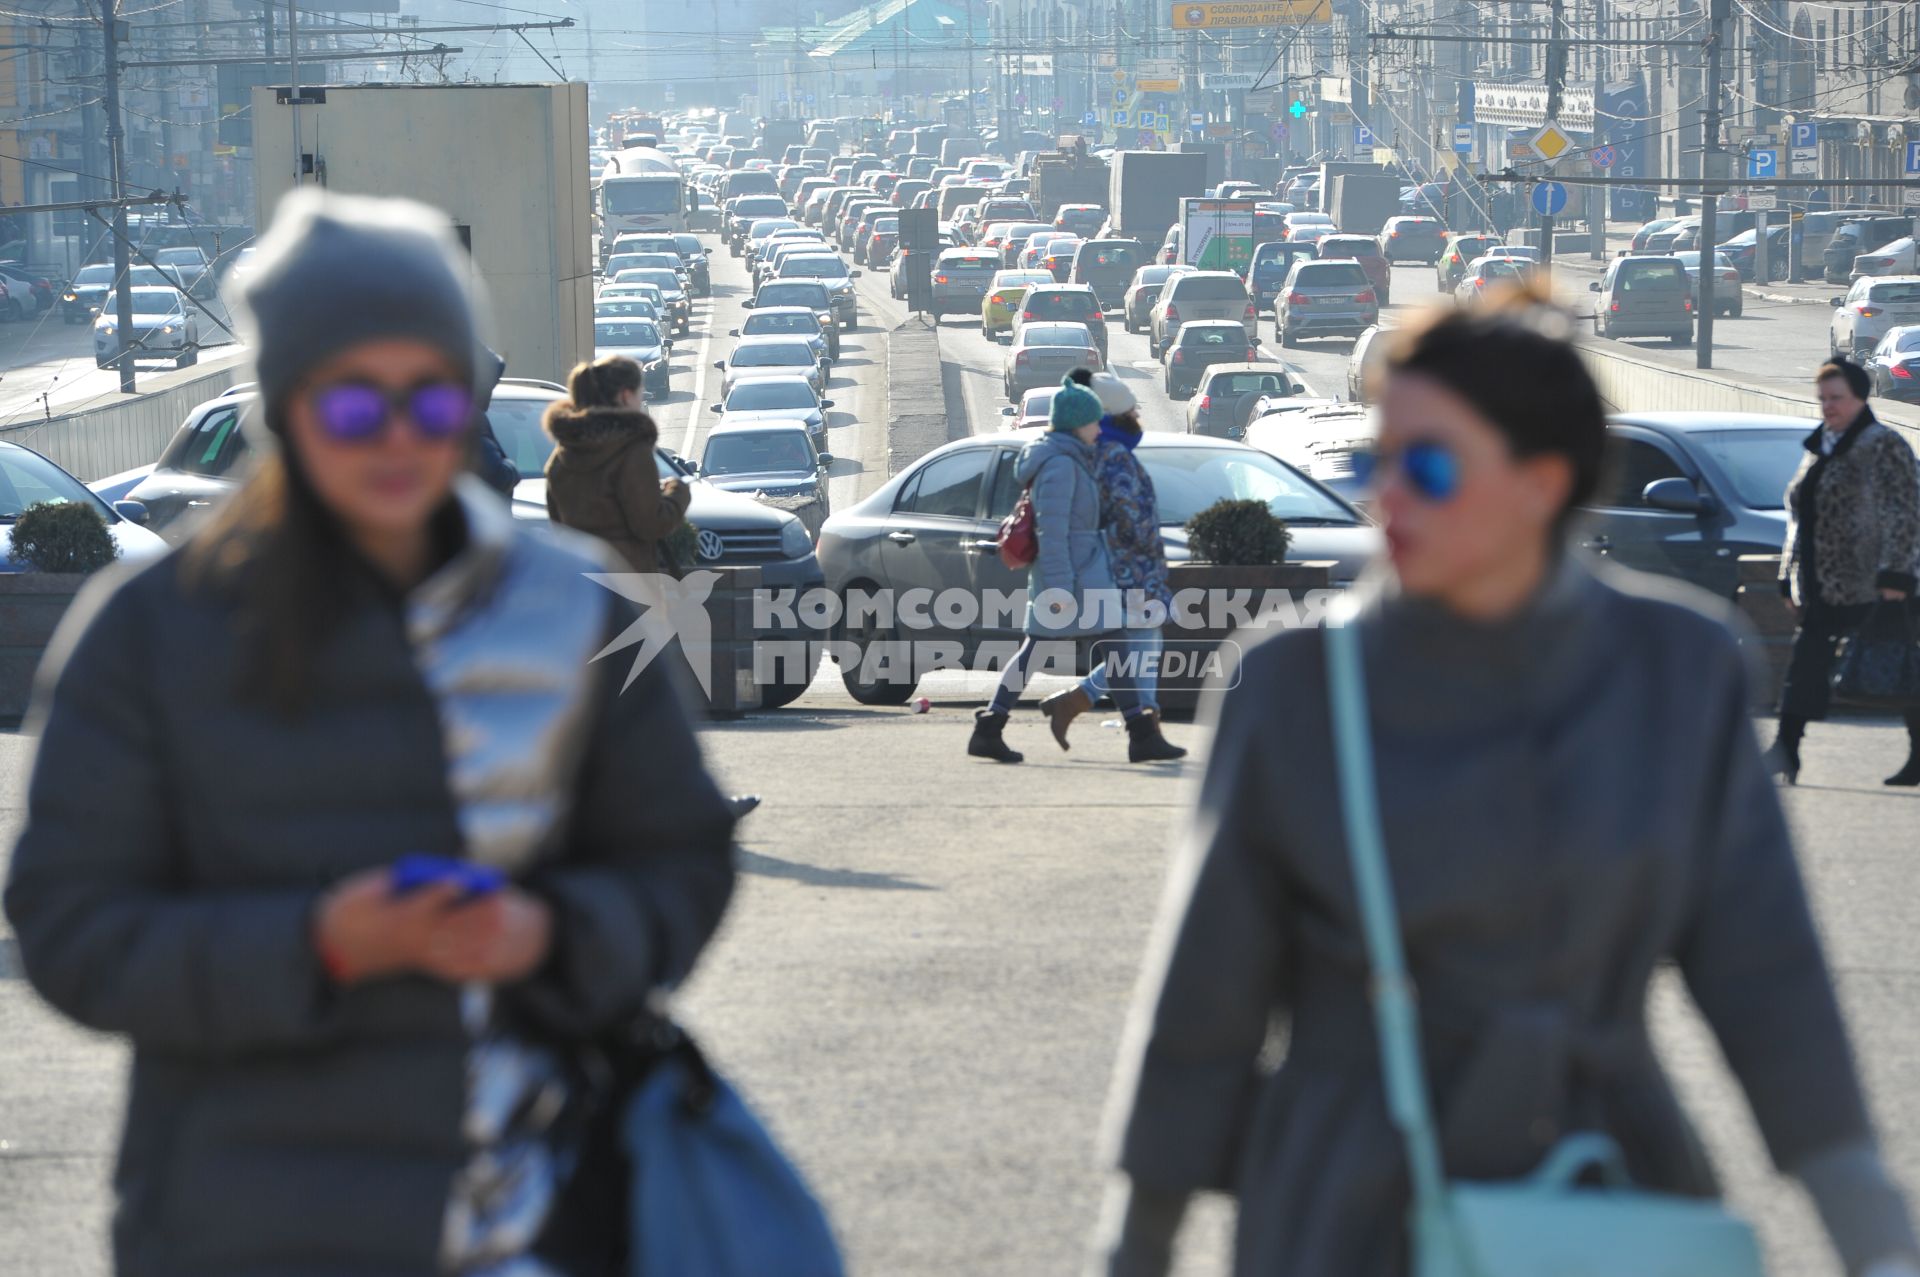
x=508, y=164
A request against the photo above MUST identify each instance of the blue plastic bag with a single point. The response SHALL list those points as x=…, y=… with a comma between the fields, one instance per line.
x=711, y=1193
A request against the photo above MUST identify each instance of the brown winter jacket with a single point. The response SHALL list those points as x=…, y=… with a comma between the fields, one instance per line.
x=602, y=479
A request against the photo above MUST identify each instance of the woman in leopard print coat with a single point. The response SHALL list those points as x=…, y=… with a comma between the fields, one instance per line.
x=1853, y=540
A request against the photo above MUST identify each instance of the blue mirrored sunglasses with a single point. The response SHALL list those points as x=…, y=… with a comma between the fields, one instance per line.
x=1431, y=470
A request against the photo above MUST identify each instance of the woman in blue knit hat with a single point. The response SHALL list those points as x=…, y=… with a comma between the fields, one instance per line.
x=1070, y=587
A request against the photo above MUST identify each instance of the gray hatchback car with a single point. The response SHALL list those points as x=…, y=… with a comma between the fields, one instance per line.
x=1644, y=297
x=1324, y=299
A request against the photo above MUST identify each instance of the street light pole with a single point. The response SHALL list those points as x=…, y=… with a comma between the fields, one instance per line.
x=1710, y=155
x=117, y=161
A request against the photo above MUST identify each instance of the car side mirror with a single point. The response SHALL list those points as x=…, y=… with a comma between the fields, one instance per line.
x=716, y=407
x=132, y=511
x=1009, y=411
x=733, y=332
x=853, y=274
x=826, y=403
x=826, y=459
x=1836, y=301
x=1594, y=287
x=721, y=364
x=1676, y=495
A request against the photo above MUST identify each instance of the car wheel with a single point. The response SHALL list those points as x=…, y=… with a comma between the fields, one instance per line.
x=784, y=692
x=1683, y=339
x=1153, y=347
x=854, y=679
x=1287, y=339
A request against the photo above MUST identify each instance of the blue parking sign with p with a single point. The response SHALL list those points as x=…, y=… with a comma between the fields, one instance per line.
x=1763, y=162
x=1913, y=157
x=1804, y=136
x=1362, y=137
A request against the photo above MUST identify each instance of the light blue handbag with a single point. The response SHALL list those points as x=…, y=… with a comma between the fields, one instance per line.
x=711, y=1194
x=1549, y=1224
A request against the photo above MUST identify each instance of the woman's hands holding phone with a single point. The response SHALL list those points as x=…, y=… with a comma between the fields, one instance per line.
x=364, y=929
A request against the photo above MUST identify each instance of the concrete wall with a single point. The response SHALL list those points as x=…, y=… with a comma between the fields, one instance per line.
x=130, y=431
x=1638, y=384
x=506, y=161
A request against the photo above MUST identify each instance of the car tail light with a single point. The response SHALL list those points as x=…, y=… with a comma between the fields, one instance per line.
x=1020, y=358
x=1298, y=299
x=1026, y=314
x=1616, y=307
x=1179, y=356
x=1206, y=402
x=1093, y=360
x=1689, y=304
x=1364, y=297
x=1251, y=313
x=1173, y=313
x=1901, y=370
x=941, y=279
x=1393, y=234
x=1866, y=311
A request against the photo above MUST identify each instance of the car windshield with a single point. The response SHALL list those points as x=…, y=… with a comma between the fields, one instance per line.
x=814, y=295
x=1895, y=292
x=625, y=333
x=757, y=324
x=1348, y=246
x=625, y=309
x=1213, y=335
x=814, y=267
x=92, y=275
x=1054, y=335
x=756, y=452
x=664, y=280
x=768, y=225
x=687, y=245
x=1038, y=402
x=969, y=263
x=1906, y=339
x=1209, y=288
x=641, y=195
x=1108, y=259
x=1188, y=480
x=771, y=355
x=516, y=423
x=1652, y=277
x=1758, y=463
x=770, y=395
x=1331, y=275
x=155, y=301
x=1243, y=383
x=26, y=479
x=1499, y=268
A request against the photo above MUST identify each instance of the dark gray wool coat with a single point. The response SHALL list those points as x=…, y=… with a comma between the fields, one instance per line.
x=1569, y=798
x=178, y=837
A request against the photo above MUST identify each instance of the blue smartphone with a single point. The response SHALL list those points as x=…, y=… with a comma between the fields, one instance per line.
x=410, y=873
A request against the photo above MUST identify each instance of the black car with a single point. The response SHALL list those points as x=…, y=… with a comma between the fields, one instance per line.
x=1198, y=346
x=1743, y=251
x=1895, y=364
x=207, y=459
x=694, y=254
x=1685, y=494
x=1863, y=235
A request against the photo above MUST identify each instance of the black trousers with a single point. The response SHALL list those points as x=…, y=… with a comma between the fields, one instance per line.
x=1806, y=693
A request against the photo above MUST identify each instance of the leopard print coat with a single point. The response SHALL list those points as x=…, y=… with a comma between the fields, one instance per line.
x=1867, y=534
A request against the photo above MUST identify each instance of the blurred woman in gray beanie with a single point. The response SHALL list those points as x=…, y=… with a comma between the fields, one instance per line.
x=335, y=818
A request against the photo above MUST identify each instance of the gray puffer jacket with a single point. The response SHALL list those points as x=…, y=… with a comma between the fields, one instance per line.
x=1072, y=551
x=178, y=837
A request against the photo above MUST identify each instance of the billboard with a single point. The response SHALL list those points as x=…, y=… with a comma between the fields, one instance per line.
x=1216, y=234
x=1204, y=14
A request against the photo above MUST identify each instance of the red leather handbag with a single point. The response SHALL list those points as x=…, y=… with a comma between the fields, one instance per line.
x=1019, y=543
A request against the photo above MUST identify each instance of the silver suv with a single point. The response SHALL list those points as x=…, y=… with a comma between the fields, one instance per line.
x=1331, y=298
x=1203, y=294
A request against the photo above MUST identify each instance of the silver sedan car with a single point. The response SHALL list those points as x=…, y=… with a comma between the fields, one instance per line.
x=771, y=356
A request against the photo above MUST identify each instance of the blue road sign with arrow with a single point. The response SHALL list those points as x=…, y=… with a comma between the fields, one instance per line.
x=1549, y=198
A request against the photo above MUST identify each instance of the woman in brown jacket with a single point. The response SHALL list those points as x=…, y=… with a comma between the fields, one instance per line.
x=603, y=477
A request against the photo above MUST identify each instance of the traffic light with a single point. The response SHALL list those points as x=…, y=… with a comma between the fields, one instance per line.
x=1299, y=109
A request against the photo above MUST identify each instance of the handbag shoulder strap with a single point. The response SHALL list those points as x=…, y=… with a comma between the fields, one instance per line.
x=1395, y=1018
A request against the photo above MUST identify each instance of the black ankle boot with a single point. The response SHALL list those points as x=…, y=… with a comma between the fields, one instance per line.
x=1145, y=744
x=1909, y=775
x=986, y=742
x=1783, y=759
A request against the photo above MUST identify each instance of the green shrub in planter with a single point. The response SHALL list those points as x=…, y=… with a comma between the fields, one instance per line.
x=681, y=550
x=1237, y=534
x=62, y=536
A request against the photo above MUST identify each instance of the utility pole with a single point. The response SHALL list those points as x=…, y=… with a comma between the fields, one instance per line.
x=1597, y=212
x=1556, y=87
x=293, y=82
x=1710, y=156
x=117, y=161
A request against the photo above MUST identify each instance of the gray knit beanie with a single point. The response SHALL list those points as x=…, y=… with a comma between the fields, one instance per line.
x=334, y=271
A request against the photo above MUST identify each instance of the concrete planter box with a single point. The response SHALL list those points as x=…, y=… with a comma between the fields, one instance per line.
x=1198, y=630
x=31, y=605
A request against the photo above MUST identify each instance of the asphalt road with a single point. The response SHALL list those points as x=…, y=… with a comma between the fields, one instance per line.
x=923, y=979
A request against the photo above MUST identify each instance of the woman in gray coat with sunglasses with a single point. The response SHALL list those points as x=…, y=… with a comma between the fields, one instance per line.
x=1571, y=795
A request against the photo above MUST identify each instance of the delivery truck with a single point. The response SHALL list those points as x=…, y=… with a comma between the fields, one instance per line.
x=1145, y=190
x=1068, y=177
x=1361, y=203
